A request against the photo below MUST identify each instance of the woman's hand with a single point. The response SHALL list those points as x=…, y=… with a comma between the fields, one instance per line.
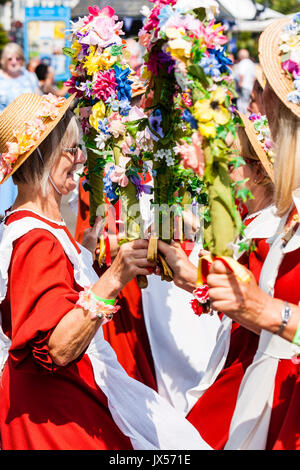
x=76, y=329
x=91, y=235
x=243, y=302
x=130, y=261
x=184, y=272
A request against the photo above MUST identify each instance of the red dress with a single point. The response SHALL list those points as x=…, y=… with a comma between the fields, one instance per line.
x=43, y=406
x=213, y=412
x=284, y=430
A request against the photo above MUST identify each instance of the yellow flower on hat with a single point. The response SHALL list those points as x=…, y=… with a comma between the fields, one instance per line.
x=25, y=142
x=98, y=113
x=210, y=113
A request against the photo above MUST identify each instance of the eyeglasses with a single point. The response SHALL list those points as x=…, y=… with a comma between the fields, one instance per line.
x=72, y=150
x=10, y=59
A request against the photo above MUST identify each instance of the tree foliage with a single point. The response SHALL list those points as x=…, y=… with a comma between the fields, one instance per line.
x=4, y=39
x=283, y=6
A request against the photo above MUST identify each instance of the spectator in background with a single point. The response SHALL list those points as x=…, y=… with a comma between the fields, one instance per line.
x=15, y=79
x=46, y=81
x=245, y=76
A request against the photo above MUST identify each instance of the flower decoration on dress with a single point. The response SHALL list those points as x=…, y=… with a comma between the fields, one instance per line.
x=200, y=303
x=105, y=84
x=26, y=139
x=261, y=127
x=290, y=56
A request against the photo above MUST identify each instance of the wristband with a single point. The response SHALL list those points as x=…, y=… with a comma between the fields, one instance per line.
x=296, y=339
x=98, y=307
x=106, y=301
x=285, y=315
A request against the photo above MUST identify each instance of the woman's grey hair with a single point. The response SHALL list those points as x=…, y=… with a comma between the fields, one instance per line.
x=35, y=171
x=11, y=48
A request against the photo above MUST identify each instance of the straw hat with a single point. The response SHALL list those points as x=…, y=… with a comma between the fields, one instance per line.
x=23, y=109
x=270, y=60
x=260, y=76
x=252, y=136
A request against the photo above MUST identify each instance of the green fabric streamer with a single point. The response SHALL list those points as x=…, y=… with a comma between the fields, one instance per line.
x=225, y=222
x=130, y=215
x=95, y=176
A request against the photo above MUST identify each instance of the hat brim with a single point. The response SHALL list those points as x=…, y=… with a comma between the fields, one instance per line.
x=260, y=76
x=139, y=92
x=9, y=120
x=252, y=136
x=270, y=60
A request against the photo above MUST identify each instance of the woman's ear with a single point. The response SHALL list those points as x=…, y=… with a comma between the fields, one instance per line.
x=260, y=172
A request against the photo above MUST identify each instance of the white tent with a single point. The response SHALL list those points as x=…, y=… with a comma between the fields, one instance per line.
x=247, y=15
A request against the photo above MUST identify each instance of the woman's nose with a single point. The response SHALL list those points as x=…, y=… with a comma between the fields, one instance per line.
x=80, y=157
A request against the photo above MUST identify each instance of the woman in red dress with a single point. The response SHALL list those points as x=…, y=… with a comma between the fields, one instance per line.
x=236, y=346
x=61, y=386
x=267, y=411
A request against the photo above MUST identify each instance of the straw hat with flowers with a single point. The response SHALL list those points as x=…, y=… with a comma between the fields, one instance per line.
x=258, y=132
x=279, y=56
x=24, y=124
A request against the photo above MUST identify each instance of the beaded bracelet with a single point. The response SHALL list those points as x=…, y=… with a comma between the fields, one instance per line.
x=296, y=339
x=99, y=308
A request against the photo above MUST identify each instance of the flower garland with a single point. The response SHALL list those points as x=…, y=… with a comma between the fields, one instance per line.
x=105, y=85
x=261, y=127
x=33, y=130
x=290, y=56
x=183, y=39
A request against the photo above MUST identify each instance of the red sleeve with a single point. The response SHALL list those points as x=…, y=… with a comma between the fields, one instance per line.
x=41, y=290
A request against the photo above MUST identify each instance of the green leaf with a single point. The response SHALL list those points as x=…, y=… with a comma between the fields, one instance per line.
x=237, y=161
x=244, y=194
x=196, y=71
x=69, y=51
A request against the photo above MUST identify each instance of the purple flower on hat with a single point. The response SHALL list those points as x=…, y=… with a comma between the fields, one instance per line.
x=254, y=117
x=292, y=67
